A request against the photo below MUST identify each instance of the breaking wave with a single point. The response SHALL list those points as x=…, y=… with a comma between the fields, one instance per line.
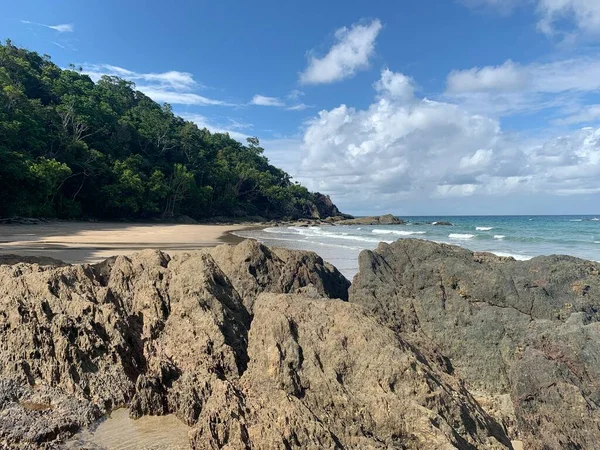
x=398, y=232
x=461, y=236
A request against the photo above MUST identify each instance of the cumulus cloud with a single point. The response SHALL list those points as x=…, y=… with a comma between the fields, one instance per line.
x=351, y=52
x=261, y=100
x=511, y=87
x=61, y=28
x=171, y=87
x=403, y=146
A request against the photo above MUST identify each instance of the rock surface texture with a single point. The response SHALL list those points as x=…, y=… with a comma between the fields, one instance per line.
x=523, y=335
x=246, y=345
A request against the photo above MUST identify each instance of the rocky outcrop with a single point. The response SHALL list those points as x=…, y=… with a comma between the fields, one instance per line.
x=213, y=337
x=387, y=219
x=524, y=335
x=329, y=375
x=326, y=208
x=253, y=268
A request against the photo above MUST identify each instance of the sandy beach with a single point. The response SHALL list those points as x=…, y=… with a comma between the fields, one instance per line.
x=75, y=242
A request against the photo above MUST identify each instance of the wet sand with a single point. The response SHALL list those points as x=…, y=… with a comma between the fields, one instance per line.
x=76, y=242
x=119, y=432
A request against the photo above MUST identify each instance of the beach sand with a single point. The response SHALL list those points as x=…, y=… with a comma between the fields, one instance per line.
x=76, y=242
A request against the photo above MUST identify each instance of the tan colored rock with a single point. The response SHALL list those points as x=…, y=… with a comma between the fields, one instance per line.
x=254, y=268
x=174, y=335
x=329, y=375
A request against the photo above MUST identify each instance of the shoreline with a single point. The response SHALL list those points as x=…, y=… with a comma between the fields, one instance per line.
x=90, y=242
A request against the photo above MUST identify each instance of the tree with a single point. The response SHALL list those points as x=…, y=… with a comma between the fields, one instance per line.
x=179, y=185
x=73, y=148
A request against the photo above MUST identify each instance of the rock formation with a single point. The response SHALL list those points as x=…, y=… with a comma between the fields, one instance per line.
x=387, y=219
x=326, y=208
x=523, y=335
x=244, y=344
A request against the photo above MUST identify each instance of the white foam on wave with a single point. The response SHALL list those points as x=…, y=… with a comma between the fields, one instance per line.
x=596, y=242
x=398, y=232
x=484, y=228
x=513, y=255
x=499, y=236
x=317, y=232
x=461, y=236
x=595, y=219
x=575, y=220
x=276, y=230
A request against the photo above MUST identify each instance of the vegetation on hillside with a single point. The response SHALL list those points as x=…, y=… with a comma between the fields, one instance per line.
x=72, y=148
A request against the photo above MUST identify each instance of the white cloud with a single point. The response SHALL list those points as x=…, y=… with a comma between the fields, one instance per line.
x=586, y=114
x=583, y=14
x=61, y=28
x=261, y=100
x=405, y=147
x=396, y=85
x=171, y=79
x=511, y=87
x=352, y=51
x=298, y=107
x=172, y=87
x=295, y=94
x=507, y=77
x=179, y=98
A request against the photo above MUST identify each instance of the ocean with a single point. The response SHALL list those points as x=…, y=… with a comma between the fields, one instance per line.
x=521, y=237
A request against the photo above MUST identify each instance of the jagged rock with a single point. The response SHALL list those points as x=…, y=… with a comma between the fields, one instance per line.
x=254, y=268
x=160, y=335
x=171, y=335
x=387, y=219
x=325, y=374
x=529, y=330
x=326, y=207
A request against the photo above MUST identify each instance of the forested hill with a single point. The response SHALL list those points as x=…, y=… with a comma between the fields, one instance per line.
x=71, y=148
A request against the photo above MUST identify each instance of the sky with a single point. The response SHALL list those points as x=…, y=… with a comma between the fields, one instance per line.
x=415, y=107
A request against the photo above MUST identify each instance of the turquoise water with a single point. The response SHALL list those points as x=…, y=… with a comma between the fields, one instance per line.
x=521, y=237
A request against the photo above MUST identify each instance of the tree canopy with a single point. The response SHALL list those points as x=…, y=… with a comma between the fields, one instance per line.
x=72, y=148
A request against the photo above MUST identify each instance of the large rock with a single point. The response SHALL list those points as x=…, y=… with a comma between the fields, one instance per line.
x=253, y=268
x=387, y=219
x=326, y=374
x=326, y=207
x=171, y=335
x=524, y=335
x=158, y=334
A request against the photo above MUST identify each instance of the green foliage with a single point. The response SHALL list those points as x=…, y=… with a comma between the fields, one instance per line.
x=73, y=148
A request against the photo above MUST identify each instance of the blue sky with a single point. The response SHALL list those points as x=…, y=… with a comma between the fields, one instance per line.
x=415, y=107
